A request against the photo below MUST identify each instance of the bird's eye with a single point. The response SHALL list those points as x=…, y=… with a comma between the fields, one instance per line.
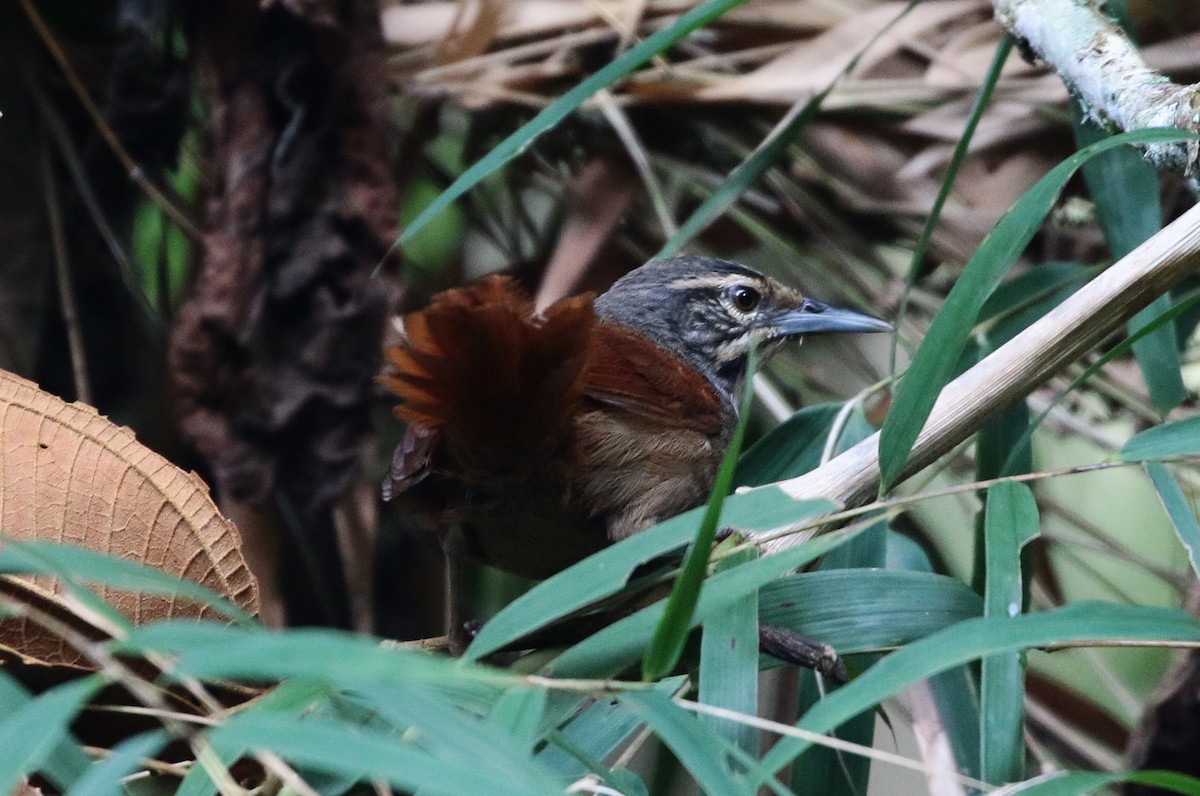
x=745, y=298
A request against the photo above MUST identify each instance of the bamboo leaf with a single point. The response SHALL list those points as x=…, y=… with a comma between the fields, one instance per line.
x=1168, y=441
x=729, y=663
x=671, y=634
x=1011, y=522
x=1178, y=510
x=947, y=337
x=977, y=638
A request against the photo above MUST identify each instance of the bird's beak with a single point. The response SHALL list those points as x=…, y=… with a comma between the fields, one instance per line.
x=814, y=317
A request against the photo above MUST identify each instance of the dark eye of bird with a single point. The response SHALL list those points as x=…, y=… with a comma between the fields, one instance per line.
x=745, y=298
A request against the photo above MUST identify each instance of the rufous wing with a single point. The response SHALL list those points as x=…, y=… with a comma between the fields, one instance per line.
x=626, y=370
x=494, y=382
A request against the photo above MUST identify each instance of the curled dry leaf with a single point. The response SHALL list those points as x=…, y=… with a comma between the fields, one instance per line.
x=69, y=475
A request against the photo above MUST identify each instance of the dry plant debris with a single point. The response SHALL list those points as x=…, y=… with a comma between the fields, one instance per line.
x=70, y=475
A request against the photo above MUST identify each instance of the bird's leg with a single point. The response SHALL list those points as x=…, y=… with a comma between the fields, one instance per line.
x=452, y=549
x=792, y=647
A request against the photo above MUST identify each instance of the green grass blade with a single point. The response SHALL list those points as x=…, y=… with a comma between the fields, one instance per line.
x=619, y=645
x=519, y=711
x=1078, y=783
x=667, y=645
x=63, y=765
x=595, y=733
x=1125, y=191
x=1011, y=523
x=729, y=663
x=978, y=638
x=935, y=360
x=72, y=564
x=790, y=449
x=982, y=99
x=332, y=748
x=1178, y=509
x=605, y=573
x=702, y=753
x=104, y=776
x=519, y=141
x=30, y=734
x=867, y=610
x=753, y=167
x=1168, y=441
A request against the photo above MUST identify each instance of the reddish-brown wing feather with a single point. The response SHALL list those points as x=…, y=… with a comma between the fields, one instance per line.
x=497, y=383
x=627, y=371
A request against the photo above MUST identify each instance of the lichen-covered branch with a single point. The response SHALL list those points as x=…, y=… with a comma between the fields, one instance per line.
x=1104, y=70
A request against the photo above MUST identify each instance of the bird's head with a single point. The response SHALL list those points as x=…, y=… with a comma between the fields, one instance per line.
x=709, y=312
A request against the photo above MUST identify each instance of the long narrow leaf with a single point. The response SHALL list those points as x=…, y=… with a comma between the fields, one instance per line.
x=729, y=664
x=519, y=141
x=30, y=734
x=947, y=337
x=700, y=751
x=667, y=645
x=1178, y=510
x=1011, y=522
x=990, y=79
x=977, y=638
x=605, y=573
x=1168, y=441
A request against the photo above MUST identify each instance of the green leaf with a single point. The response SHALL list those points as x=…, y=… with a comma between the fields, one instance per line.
x=65, y=763
x=790, y=449
x=207, y=651
x=867, y=610
x=729, y=663
x=839, y=773
x=1011, y=522
x=70, y=564
x=1125, y=191
x=1168, y=441
x=957, y=158
x=671, y=634
x=978, y=638
x=595, y=733
x=1179, y=510
x=519, y=141
x=609, y=651
x=457, y=738
x=605, y=573
x=947, y=336
x=31, y=734
x=1077, y=783
x=103, y=778
x=519, y=711
x=700, y=751
x=358, y=753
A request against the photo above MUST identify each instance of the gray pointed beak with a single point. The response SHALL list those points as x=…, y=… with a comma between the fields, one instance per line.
x=815, y=317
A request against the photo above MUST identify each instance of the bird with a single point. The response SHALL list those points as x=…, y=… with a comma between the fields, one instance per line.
x=534, y=439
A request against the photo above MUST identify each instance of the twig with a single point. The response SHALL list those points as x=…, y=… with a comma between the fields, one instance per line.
x=62, y=275
x=1106, y=72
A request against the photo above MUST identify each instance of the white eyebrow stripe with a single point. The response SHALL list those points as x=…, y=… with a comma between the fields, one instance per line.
x=709, y=281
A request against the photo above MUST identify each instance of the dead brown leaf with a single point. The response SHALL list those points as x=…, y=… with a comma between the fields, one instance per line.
x=69, y=475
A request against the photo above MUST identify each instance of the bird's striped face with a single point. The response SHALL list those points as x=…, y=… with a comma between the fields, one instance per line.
x=727, y=313
x=711, y=312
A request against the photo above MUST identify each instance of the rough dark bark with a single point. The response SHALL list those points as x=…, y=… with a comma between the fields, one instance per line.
x=274, y=353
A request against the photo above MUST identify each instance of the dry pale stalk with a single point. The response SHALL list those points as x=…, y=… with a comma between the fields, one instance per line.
x=1016, y=369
